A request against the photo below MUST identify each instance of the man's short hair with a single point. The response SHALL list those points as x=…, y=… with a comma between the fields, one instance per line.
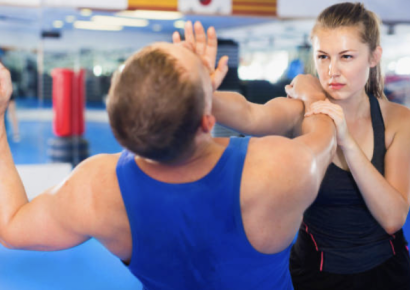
x=156, y=106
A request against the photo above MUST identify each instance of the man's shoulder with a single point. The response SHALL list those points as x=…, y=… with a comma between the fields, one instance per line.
x=279, y=157
x=274, y=145
x=100, y=162
x=268, y=148
x=96, y=170
x=93, y=183
x=268, y=144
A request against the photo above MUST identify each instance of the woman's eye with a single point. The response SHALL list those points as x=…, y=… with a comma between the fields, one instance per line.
x=321, y=56
x=347, y=56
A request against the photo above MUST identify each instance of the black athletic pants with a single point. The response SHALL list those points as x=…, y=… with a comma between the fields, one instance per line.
x=393, y=274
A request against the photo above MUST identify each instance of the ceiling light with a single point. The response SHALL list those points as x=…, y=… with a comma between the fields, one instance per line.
x=96, y=26
x=86, y=12
x=149, y=14
x=403, y=66
x=58, y=24
x=179, y=24
x=120, y=21
x=70, y=19
x=97, y=70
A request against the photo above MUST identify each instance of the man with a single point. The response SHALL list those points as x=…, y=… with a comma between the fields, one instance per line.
x=183, y=210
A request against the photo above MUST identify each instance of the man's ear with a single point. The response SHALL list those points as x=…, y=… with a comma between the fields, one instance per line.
x=207, y=123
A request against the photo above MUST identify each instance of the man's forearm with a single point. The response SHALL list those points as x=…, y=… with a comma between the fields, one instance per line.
x=232, y=110
x=279, y=116
x=12, y=193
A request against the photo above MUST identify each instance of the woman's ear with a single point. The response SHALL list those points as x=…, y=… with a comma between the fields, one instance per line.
x=376, y=56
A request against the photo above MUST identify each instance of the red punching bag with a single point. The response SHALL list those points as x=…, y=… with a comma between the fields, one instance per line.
x=62, y=102
x=68, y=122
x=78, y=104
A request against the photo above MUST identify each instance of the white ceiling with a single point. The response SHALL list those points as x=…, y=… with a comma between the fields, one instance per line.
x=20, y=27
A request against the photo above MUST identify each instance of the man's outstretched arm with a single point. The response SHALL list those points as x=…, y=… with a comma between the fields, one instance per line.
x=46, y=222
x=279, y=116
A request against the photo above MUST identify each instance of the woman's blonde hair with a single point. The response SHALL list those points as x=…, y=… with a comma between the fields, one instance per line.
x=356, y=15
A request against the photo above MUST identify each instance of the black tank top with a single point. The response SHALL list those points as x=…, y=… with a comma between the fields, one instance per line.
x=339, y=223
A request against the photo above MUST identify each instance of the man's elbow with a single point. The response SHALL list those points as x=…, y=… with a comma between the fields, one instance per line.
x=9, y=241
x=7, y=244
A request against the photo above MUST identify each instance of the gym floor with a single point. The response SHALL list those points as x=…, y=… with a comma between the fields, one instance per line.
x=88, y=266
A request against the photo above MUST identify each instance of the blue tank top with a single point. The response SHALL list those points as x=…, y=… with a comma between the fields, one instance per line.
x=340, y=224
x=191, y=235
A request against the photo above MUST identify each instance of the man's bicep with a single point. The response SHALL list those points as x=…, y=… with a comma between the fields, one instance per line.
x=299, y=170
x=49, y=222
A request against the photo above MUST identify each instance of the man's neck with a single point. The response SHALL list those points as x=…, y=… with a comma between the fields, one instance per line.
x=199, y=163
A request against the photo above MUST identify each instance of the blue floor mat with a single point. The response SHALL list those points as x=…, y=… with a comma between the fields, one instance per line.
x=88, y=266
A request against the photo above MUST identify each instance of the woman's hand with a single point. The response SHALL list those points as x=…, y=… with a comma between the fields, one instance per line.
x=344, y=139
x=206, y=47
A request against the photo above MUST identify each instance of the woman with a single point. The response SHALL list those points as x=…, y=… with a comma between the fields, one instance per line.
x=351, y=236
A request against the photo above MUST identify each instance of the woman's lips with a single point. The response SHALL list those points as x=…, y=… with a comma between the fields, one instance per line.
x=336, y=86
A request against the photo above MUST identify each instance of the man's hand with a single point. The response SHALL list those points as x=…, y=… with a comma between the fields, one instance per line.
x=6, y=88
x=206, y=47
x=306, y=88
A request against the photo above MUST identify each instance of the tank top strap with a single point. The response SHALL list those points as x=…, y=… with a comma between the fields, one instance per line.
x=378, y=133
x=240, y=143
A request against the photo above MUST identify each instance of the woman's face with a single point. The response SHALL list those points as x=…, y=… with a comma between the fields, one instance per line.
x=342, y=61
